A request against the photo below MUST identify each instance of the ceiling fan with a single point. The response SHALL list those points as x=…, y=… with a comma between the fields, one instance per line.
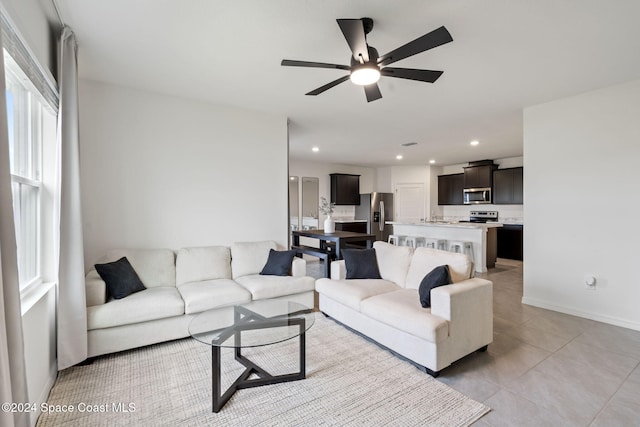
x=367, y=66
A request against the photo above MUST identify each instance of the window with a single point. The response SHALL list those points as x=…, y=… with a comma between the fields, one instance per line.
x=25, y=111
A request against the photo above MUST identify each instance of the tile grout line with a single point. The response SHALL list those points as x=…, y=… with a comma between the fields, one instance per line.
x=614, y=394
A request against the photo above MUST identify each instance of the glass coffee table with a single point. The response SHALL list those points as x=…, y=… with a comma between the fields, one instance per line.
x=255, y=324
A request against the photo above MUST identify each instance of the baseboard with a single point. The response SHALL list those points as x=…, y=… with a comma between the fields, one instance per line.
x=44, y=393
x=616, y=321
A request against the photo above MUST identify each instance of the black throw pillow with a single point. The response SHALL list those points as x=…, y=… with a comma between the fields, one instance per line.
x=439, y=276
x=120, y=277
x=361, y=263
x=278, y=263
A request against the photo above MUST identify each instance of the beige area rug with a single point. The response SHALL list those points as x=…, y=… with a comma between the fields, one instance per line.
x=350, y=381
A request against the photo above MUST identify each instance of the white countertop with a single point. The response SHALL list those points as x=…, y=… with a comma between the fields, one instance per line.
x=450, y=224
x=341, y=221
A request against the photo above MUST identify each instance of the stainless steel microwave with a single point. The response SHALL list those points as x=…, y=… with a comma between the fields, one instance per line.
x=476, y=196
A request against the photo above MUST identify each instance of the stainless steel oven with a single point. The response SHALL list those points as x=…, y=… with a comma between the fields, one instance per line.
x=476, y=196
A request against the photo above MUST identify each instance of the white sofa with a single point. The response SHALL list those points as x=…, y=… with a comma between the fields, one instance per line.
x=388, y=310
x=180, y=285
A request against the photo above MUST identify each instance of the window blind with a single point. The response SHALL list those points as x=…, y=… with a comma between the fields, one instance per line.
x=19, y=50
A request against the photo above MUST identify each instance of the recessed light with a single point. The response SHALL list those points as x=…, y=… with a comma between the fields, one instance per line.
x=315, y=149
x=432, y=161
x=399, y=157
x=475, y=142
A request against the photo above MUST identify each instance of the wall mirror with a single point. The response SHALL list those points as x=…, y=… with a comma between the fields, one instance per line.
x=310, y=201
x=294, y=203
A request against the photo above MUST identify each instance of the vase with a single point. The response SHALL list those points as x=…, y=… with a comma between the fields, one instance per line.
x=329, y=225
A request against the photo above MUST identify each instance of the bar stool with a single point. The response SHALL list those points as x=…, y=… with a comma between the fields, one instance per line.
x=462, y=247
x=414, y=241
x=395, y=239
x=436, y=244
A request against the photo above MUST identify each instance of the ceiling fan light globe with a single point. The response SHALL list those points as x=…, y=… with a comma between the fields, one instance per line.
x=363, y=76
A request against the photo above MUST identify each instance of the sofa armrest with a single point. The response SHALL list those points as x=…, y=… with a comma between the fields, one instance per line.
x=298, y=267
x=468, y=306
x=338, y=270
x=95, y=289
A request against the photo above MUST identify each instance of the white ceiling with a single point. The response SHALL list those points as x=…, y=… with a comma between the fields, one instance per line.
x=506, y=55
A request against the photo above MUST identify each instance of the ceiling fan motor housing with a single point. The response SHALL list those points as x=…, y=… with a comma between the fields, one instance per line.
x=373, y=57
x=367, y=23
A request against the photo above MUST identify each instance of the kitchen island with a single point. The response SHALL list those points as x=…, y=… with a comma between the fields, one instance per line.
x=481, y=235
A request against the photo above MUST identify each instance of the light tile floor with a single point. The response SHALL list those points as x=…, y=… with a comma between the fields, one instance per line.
x=546, y=368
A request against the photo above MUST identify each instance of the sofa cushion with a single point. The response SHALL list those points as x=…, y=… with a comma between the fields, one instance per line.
x=249, y=257
x=352, y=292
x=361, y=263
x=426, y=259
x=203, y=263
x=393, y=261
x=155, y=267
x=207, y=294
x=439, y=276
x=278, y=263
x=263, y=287
x=121, y=279
x=402, y=310
x=151, y=304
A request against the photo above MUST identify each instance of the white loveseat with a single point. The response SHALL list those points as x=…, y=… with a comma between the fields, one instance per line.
x=180, y=285
x=388, y=310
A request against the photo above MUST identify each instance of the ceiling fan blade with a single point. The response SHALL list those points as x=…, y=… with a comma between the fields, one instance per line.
x=353, y=30
x=328, y=86
x=373, y=92
x=292, y=63
x=435, y=38
x=428, y=76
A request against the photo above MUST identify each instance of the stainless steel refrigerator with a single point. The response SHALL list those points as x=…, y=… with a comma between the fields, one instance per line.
x=377, y=209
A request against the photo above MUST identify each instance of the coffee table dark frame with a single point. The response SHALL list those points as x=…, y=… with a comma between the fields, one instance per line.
x=251, y=321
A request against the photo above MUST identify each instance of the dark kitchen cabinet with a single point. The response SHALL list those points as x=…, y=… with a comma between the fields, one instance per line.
x=507, y=186
x=478, y=176
x=345, y=189
x=450, y=189
x=510, y=241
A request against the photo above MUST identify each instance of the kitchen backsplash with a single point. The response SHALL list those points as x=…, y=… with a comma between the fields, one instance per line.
x=344, y=213
x=508, y=214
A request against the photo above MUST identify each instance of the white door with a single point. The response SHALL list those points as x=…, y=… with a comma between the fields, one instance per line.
x=409, y=202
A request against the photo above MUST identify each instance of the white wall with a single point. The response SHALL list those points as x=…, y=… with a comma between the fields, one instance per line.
x=581, y=180
x=160, y=171
x=394, y=175
x=39, y=334
x=384, y=179
x=31, y=18
x=322, y=170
